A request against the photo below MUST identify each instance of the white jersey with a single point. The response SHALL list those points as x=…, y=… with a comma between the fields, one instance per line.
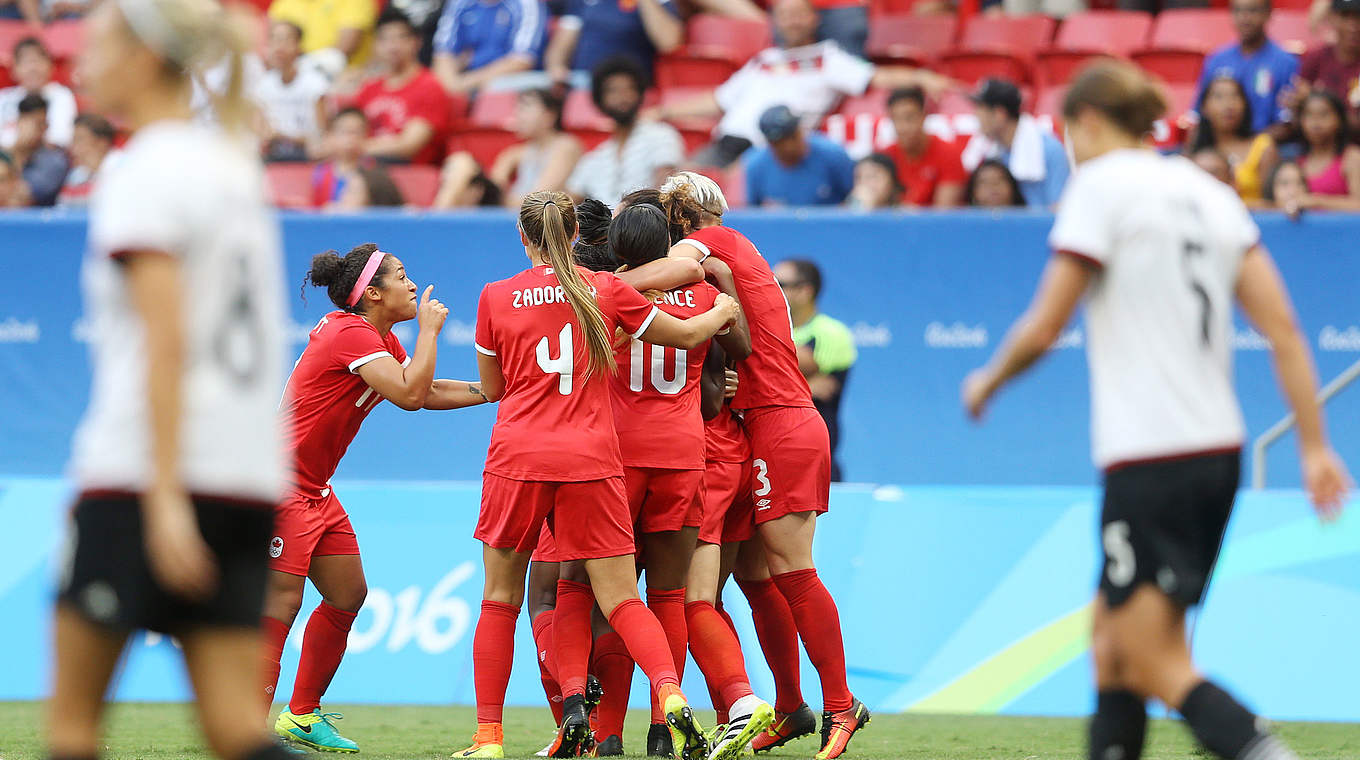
x=1169, y=241
x=183, y=189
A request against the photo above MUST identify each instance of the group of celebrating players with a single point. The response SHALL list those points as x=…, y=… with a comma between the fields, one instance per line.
x=626, y=323
x=588, y=366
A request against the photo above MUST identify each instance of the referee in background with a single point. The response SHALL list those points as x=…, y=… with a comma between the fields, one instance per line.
x=826, y=349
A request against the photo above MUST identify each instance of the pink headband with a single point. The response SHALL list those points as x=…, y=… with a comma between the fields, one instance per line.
x=365, y=277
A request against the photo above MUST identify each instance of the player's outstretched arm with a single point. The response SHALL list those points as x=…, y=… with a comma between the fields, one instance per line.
x=454, y=394
x=1064, y=280
x=1262, y=294
x=493, y=380
x=663, y=274
x=666, y=330
x=408, y=386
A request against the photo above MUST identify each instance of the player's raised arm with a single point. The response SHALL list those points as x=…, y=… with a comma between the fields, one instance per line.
x=1064, y=280
x=1262, y=295
x=408, y=386
x=663, y=274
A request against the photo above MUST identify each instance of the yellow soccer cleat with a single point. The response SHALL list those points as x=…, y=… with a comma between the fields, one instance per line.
x=315, y=730
x=687, y=737
x=489, y=741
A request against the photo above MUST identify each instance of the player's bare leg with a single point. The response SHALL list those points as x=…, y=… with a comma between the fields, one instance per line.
x=788, y=552
x=1144, y=648
x=86, y=655
x=225, y=690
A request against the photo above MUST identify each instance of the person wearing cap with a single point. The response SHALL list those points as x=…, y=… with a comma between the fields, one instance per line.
x=808, y=76
x=1264, y=69
x=1032, y=153
x=1335, y=67
x=796, y=168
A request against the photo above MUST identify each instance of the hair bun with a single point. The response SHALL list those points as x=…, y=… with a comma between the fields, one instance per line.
x=326, y=269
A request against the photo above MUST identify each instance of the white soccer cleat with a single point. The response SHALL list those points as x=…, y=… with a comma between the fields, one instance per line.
x=747, y=718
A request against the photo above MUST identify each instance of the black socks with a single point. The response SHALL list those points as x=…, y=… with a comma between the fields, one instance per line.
x=1118, y=727
x=1228, y=729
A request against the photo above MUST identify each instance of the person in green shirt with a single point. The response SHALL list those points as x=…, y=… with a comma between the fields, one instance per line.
x=826, y=349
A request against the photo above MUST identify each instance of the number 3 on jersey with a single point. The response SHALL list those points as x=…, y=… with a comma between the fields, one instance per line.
x=565, y=363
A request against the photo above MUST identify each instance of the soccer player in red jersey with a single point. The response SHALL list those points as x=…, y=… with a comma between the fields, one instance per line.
x=791, y=460
x=544, y=344
x=351, y=364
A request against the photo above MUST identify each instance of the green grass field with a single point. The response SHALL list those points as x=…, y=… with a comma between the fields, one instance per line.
x=166, y=732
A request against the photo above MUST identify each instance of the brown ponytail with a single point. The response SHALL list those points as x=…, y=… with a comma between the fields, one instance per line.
x=548, y=220
x=683, y=211
x=1119, y=91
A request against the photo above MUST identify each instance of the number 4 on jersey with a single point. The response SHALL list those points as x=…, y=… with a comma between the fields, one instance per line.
x=565, y=363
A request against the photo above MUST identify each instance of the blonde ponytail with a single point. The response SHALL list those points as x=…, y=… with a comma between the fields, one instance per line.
x=548, y=220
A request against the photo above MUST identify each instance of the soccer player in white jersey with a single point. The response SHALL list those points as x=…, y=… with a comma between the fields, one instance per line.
x=1160, y=250
x=179, y=459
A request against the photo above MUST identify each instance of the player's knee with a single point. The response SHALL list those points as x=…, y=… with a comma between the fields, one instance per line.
x=1105, y=656
x=283, y=601
x=350, y=599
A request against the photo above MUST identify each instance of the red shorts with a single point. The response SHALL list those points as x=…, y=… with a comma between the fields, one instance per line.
x=727, y=503
x=546, y=551
x=790, y=460
x=664, y=500
x=309, y=525
x=594, y=519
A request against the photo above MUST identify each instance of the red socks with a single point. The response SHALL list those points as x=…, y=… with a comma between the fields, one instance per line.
x=778, y=636
x=547, y=663
x=669, y=608
x=275, y=636
x=717, y=652
x=646, y=642
x=571, y=635
x=323, y=646
x=819, y=625
x=614, y=667
x=493, y=654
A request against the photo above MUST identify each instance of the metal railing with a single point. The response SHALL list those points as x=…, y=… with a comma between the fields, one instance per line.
x=1276, y=431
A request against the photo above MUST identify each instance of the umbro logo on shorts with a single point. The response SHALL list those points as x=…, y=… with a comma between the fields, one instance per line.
x=763, y=504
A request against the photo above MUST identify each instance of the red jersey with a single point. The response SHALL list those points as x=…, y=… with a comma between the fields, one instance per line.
x=940, y=164
x=656, y=392
x=553, y=423
x=326, y=399
x=389, y=111
x=770, y=375
x=725, y=439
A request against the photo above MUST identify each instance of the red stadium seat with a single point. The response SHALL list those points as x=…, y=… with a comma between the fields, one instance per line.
x=64, y=39
x=290, y=185
x=493, y=110
x=1180, y=39
x=681, y=95
x=5, y=79
x=484, y=143
x=1290, y=30
x=913, y=40
x=1083, y=36
x=998, y=46
x=873, y=103
x=418, y=184
x=682, y=70
x=715, y=48
x=11, y=31
x=580, y=112
x=695, y=138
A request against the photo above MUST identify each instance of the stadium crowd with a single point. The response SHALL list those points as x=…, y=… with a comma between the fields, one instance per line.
x=865, y=104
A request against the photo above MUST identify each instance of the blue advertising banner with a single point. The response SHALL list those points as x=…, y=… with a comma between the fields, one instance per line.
x=958, y=600
x=928, y=296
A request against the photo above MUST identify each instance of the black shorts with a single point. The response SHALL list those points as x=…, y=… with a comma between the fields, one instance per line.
x=108, y=581
x=1163, y=523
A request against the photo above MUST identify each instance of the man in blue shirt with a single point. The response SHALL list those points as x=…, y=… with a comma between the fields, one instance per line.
x=796, y=169
x=478, y=41
x=1034, y=155
x=1264, y=69
x=591, y=32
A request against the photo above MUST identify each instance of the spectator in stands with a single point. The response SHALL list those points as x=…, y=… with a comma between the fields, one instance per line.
x=43, y=166
x=1057, y=8
x=639, y=152
x=594, y=31
x=1287, y=188
x=91, y=150
x=33, y=73
x=407, y=109
x=844, y=22
x=335, y=33
x=1034, y=156
x=1335, y=67
x=344, y=143
x=12, y=194
x=544, y=161
x=796, y=168
x=1331, y=165
x=1225, y=125
x=1265, y=70
x=809, y=77
x=1215, y=164
x=876, y=184
x=479, y=41
x=929, y=166
x=28, y=10
x=826, y=347
x=369, y=187
x=290, y=98
x=991, y=185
